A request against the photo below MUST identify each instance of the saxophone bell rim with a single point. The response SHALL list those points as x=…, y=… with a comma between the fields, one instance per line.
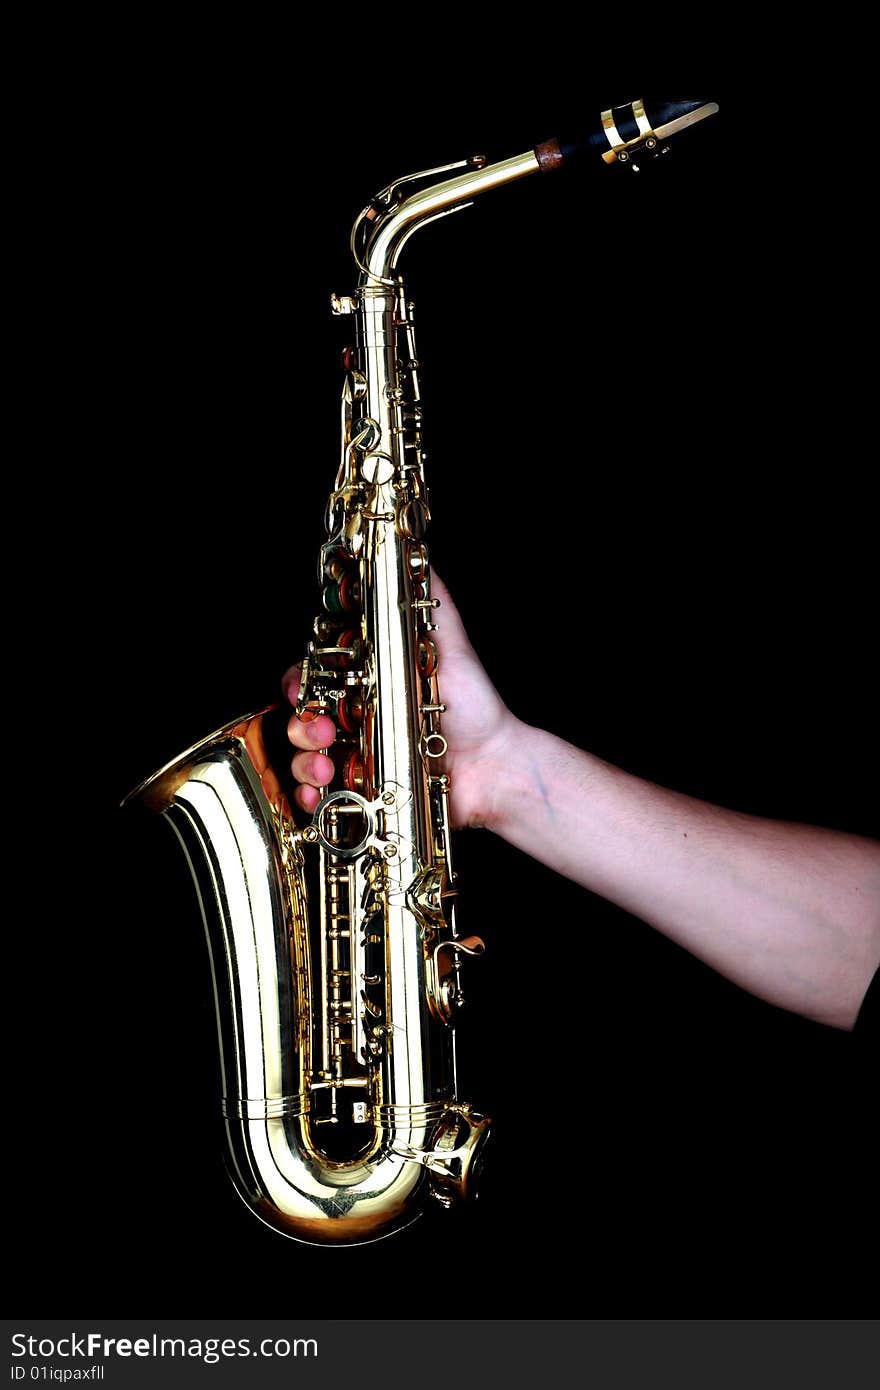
x=157, y=790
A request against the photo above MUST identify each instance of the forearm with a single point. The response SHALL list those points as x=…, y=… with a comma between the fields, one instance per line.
x=789, y=912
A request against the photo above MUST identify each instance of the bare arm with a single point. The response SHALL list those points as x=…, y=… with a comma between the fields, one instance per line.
x=789, y=912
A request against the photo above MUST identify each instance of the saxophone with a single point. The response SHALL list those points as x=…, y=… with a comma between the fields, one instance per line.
x=335, y=954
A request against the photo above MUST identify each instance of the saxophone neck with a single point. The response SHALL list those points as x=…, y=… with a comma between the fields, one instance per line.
x=388, y=222
x=628, y=134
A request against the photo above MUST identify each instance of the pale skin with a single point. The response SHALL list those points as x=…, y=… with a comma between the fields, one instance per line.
x=789, y=912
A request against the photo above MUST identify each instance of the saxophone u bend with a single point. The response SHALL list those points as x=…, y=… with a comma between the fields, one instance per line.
x=335, y=952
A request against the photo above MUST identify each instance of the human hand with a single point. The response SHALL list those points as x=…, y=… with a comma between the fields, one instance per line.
x=476, y=726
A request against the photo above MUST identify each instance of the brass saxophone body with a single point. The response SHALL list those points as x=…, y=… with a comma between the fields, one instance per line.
x=334, y=949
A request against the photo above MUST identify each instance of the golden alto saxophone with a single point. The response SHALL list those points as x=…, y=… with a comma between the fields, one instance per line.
x=334, y=949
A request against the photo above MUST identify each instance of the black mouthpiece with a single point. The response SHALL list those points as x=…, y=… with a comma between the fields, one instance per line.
x=622, y=131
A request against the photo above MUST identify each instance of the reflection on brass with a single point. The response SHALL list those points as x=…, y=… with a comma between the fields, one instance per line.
x=334, y=948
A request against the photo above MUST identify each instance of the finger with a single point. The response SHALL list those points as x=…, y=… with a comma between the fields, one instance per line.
x=307, y=798
x=451, y=631
x=315, y=768
x=311, y=733
x=290, y=682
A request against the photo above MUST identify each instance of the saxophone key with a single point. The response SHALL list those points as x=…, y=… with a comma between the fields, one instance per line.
x=413, y=519
x=426, y=658
x=365, y=433
x=417, y=558
x=342, y=595
x=432, y=744
x=350, y=711
x=377, y=468
x=353, y=773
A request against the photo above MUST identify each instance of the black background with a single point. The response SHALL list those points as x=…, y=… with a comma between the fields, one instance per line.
x=643, y=422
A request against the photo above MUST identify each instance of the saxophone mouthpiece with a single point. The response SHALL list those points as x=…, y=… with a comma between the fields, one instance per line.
x=624, y=134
